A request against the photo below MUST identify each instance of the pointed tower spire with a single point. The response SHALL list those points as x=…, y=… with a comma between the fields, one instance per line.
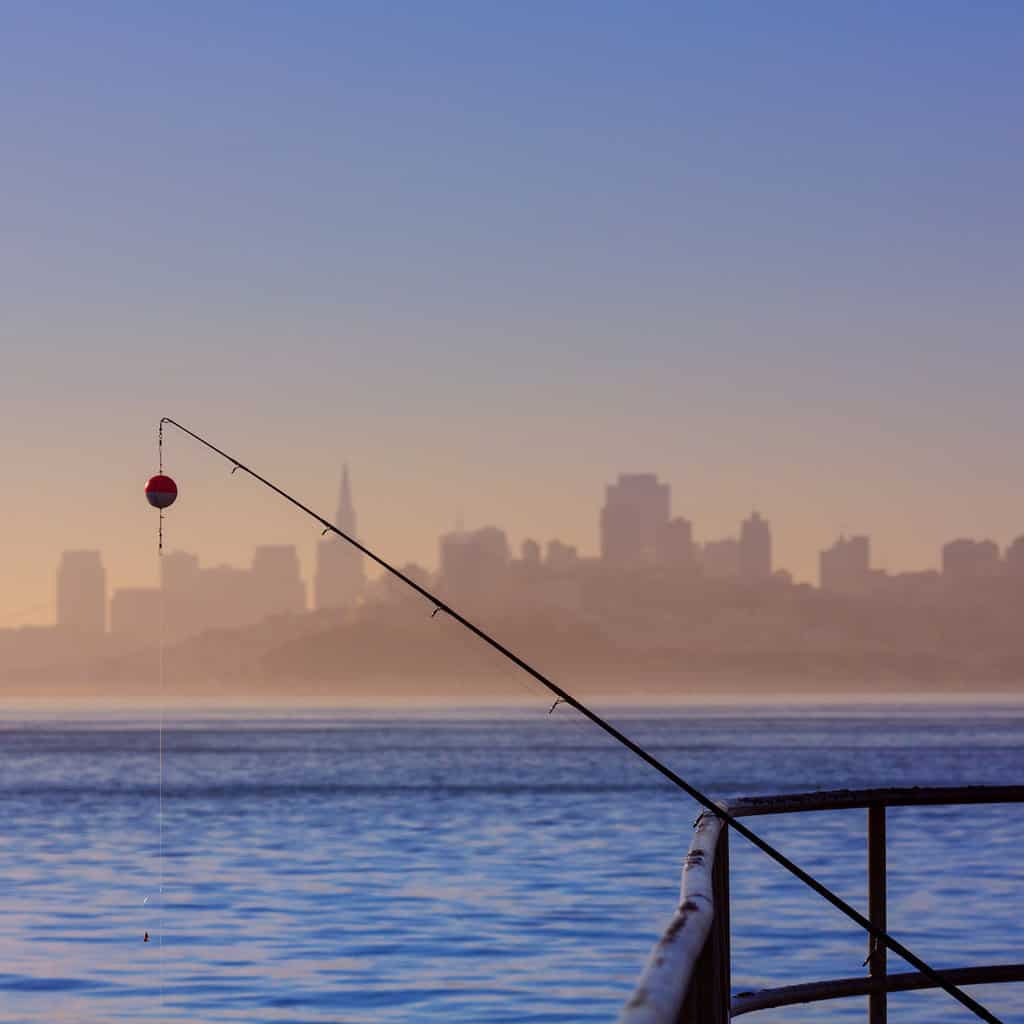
x=339, y=568
x=346, y=519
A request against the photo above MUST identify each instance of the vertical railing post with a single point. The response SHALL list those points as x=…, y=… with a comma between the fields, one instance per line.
x=721, y=937
x=877, y=1001
x=710, y=991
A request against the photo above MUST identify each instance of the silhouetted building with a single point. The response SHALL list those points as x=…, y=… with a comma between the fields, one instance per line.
x=135, y=615
x=924, y=587
x=720, y=559
x=197, y=599
x=845, y=568
x=277, y=584
x=675, y=544
x=474, y=562
x=755, y=549
x=179, y=573
x=82, y=592
x=1015, y=558
x=390, y=590
x=636, y=510
x=560, y=557
x=184, y=614
x=340, y=577
x=964, y=559
x=531, y=554
x=223, y=596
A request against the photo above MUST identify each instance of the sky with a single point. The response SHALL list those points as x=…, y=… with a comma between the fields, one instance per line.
x=493, y=255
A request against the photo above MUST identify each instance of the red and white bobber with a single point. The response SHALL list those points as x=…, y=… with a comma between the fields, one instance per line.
x=161, y=491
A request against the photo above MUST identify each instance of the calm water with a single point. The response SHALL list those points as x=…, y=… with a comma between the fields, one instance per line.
x=503, y=867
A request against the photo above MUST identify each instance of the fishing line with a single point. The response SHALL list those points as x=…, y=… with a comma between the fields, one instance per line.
x=160, y=697
x=567, y=698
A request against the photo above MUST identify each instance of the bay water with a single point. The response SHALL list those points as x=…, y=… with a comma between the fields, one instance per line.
x=504, y=865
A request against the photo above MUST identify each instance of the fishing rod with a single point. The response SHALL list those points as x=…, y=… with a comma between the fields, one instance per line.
x=563, y=696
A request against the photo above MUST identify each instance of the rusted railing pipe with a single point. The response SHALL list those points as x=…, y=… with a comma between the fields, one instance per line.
x=843, y=988
x=660, y=992
x=878, y=1000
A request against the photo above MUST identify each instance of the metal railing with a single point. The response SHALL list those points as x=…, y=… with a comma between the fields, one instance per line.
x=687, y=978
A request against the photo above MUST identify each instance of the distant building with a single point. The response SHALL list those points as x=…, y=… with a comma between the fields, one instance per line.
x=197, y=599
x=530, y=554
x=184, y=614
x=135, y=615
x=391, y=590
x=82, y=592
x=223, y=599
x=179, y=573
x=636, y=511
x=340, y=576
x=755, y=553
x=720, y=559
x=224, y=596
x=277, y=583
x=921, y=587
x=675, y=544
x=474, y=562
x=559, y=557
x=964, y=559
x=1015, y=558
x=845, y=568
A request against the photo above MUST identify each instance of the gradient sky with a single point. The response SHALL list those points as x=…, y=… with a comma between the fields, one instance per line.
x=493, y=255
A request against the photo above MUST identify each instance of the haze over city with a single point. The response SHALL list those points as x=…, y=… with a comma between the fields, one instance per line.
x=322, y=235
x=655, y=614
x=639, y=533
x=671, y=351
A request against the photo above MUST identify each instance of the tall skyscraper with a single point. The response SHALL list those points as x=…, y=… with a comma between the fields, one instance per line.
x=82, y=592
x=635, y=513
x=755, y=549
x=340, y=576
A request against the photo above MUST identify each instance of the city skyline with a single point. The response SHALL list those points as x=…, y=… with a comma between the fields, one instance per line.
x=636, y=526
x=494, y=279
x=668, y=355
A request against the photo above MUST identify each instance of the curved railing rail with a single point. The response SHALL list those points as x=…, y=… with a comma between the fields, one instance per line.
x=683, y=985
x=673, y=961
